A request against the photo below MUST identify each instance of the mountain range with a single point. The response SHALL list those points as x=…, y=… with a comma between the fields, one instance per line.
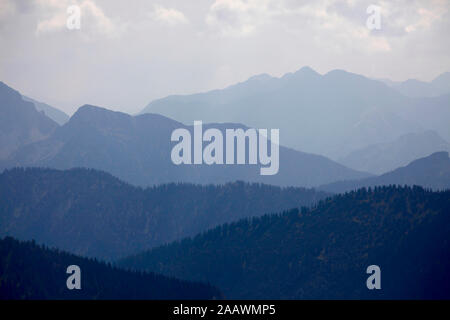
x=323, y=252
x=102, y=185
x=431, y=172
x=53, y=113
x=94, y=214
x=385, y=157
x=138, y=150
x=418, y=89
x=331, y=114
x=20, y=122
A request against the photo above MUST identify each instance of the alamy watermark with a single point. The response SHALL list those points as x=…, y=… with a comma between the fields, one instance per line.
x=73, y=21
x=374, y=280
x=235, y=141
x=74, y=280
x=373, y=22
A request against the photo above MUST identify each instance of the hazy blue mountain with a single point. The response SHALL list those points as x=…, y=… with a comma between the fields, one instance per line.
x=138, y=150
x=57, y=115
x=20, y=123
x=430, y=172
x=331, y=114
x=432, y=113
x=416, y=88
x=324, y=252
x=29, y=272
x=385, y=157
x=95, y=214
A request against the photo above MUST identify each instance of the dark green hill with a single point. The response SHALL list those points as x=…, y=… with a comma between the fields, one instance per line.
x=94, y=214
x=29, y=271
x=323, y=253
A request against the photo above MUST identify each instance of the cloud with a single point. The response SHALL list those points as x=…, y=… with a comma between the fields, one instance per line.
x=223, y=41
x=240, y=17
x=169, y=16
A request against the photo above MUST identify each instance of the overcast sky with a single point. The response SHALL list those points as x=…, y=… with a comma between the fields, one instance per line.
x=129, y=52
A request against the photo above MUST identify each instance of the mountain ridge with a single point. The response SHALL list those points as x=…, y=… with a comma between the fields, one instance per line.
x=317, y=113
x=20, y=122
x=432, y=172
x=137, y=149
x=95, y=214
x=322, y=252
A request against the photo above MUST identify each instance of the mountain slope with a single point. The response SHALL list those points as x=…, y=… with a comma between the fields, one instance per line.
x=430, y=172
x=138, y=150
x=29, y=271
x=20, y=123
x=420, y=89
x=55, y=114
x=323, y=253
x=381, y=158
x=94, y=214
x=331, y=114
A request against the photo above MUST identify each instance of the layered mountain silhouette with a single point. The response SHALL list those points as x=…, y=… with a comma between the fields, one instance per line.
x=53, y=113
x=430, y=172
x=385, y=157
x=29, y=271
x=20, y=122
x=95, y=214
x=416, y=88
x=138, y=150
x=332, y=114
x=324, y=252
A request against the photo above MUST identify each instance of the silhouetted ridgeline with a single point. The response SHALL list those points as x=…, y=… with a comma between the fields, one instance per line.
x=429, y=172
x=94, y=214
x=331, y=114
x=138, y=150
x=323, y=253
x=29, y=271
x=20, y=122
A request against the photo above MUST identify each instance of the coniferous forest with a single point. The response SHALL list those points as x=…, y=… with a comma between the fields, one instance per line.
x=323, y=252
x=31, y=271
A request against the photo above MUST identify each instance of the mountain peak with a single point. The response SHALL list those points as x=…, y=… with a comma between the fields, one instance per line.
x=260, y=77
x=8, y=92
x=442, y=77
x=100, y=117
x=89, y=111
x=440, y=155
x=306, y=70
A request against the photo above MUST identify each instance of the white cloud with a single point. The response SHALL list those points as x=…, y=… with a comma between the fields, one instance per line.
x=223, y=41
x=240, y=17
x=169, y=16
x=7, y=8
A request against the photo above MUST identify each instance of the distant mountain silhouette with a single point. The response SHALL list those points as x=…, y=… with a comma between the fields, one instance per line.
x=430, y=172
x=95, y=214
x=332, y=114
x=416, y=88
x=29, y=271
x=324, y=252
x=381, y=158
x=55, y=114
x=138, y=150
x=20, y=122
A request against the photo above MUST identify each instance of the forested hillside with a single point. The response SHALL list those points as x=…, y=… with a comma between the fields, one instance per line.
x=30, y=271
x=323, y=253
x=92, y=213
